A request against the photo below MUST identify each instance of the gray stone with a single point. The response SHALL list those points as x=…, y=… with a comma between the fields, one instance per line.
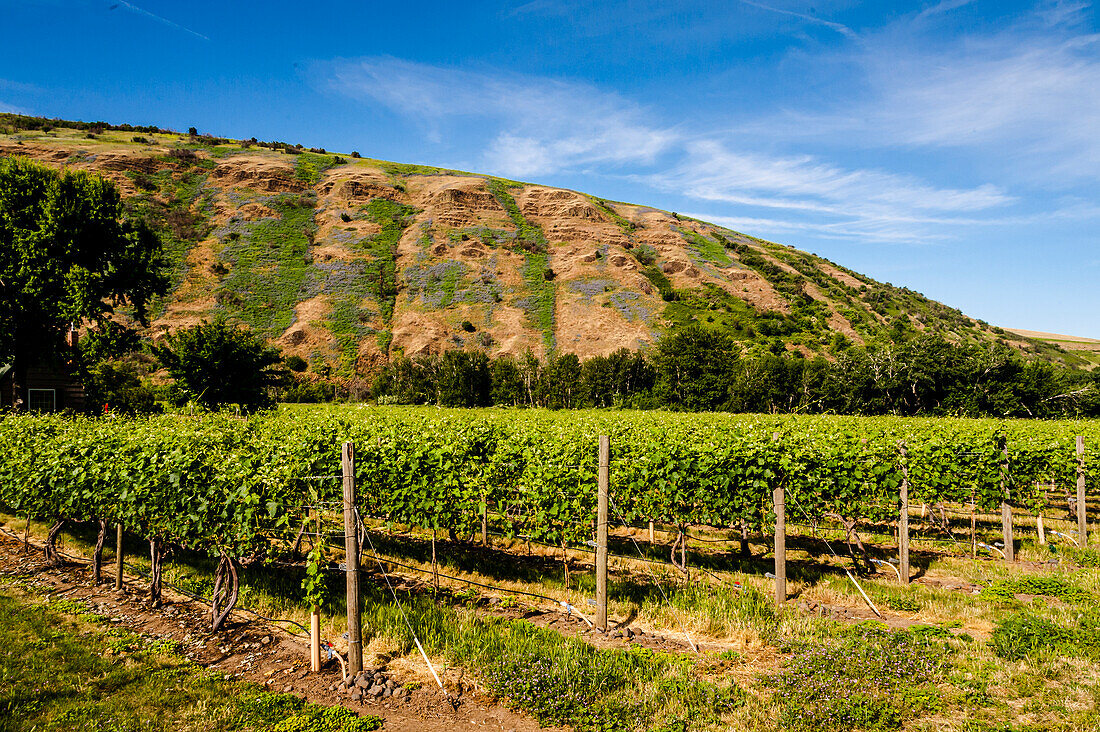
x=376, y=691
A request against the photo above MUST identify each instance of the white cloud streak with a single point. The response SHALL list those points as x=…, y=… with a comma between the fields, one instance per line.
x=543, y=125
x=153, y=16
x=942, y=7
x=535, y=126
x=1037, y=101
x=838, y=27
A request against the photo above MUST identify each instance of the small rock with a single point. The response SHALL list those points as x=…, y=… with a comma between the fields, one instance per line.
x=390, y=684
x=387, y=693
x=287, y=689
x=376, y=691
x=356, y=693
x=363, y=683
x=266, y=640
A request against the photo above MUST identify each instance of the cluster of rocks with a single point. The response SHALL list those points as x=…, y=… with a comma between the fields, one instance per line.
x=627, y=633
x=373, y=683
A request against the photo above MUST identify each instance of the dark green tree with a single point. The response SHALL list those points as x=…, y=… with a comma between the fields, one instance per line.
x=67, y=257
x=695, y=368
x=215, y=363
x=563, y=381
x=117, y=387
x=507, y=389
x=464, y=379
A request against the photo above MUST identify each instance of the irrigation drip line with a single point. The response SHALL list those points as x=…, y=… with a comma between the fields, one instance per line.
x=378, y=558
x=837, y=557
x=691, y=643
x=183, y=591
x=590, y=550
x=362, y=527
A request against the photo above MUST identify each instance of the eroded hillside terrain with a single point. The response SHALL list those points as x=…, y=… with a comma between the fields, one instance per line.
x=343, y=260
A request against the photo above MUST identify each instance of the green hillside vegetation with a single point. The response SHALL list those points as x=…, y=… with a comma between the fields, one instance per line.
x=264, y=266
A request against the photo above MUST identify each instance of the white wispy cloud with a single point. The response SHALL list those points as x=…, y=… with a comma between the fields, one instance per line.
x=828, y=199
x=11, y=108
x=944, y=6
x=535, y=126
x=115, y=4
x=712, y=171
x=838, y=27
x=1038, y=101
x=1023, y=99
x=541, y=125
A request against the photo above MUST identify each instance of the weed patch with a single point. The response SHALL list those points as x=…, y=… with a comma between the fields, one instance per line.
x=869, y=679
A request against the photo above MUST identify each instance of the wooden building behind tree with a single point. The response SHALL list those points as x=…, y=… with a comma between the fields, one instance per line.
x=51, y=383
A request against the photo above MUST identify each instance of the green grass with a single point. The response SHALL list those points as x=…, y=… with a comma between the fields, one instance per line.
x=627, y=227
x=269, y=266
x=1039, y=665
x=707, y=250
x=62, y=668
x=529, y=236
x=373, y=278
x=540, y=303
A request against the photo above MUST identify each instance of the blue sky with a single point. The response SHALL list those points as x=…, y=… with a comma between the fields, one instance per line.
x=950, y=146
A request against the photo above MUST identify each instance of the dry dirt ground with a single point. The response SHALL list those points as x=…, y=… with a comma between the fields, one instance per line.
x=253, y=651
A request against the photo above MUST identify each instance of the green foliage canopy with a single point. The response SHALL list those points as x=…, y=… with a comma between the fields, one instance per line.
x=66, y=256
x=215, y=363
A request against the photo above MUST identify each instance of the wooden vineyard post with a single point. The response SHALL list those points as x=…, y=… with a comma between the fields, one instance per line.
x=484, y=521
x=652, y=537
x=315, y=640
x=778, y=498
x=1006, y=509
x=973, y=528
x=351, y=559
x=118, y=556
x=779, y=501
x=903, y=519
x=1082, y=514
x=601, y=532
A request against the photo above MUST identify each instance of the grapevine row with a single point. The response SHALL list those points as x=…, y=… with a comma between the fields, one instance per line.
x=227, y=486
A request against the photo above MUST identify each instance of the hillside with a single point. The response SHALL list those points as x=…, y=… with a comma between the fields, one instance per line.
x=342, y=260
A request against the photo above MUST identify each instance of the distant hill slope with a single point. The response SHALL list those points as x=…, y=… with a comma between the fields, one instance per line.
x=343, y=260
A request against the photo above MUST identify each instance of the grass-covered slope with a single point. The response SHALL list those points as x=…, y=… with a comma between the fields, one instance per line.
x=342, y=259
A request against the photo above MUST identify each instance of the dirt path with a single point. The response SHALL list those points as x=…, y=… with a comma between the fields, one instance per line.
x=254, y=651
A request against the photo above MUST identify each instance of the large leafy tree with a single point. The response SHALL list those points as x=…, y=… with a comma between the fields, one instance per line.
x=694, y=368
x=215, y=363
x=67, y=256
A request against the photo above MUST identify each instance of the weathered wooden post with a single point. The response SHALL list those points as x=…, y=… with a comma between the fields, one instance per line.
x=779, y=499
x=118, y=556
x=903, y=518
x=601, y=532
x=1082, y=512
x=351, y=560
x=1006, y=508
x=315, y=640
x=484, y=521
x=779, y=503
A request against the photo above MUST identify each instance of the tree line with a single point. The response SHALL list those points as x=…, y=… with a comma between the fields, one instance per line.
x=68, y=256
x=699, y=369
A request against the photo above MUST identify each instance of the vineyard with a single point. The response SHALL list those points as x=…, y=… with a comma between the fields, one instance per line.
x=254, y=493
